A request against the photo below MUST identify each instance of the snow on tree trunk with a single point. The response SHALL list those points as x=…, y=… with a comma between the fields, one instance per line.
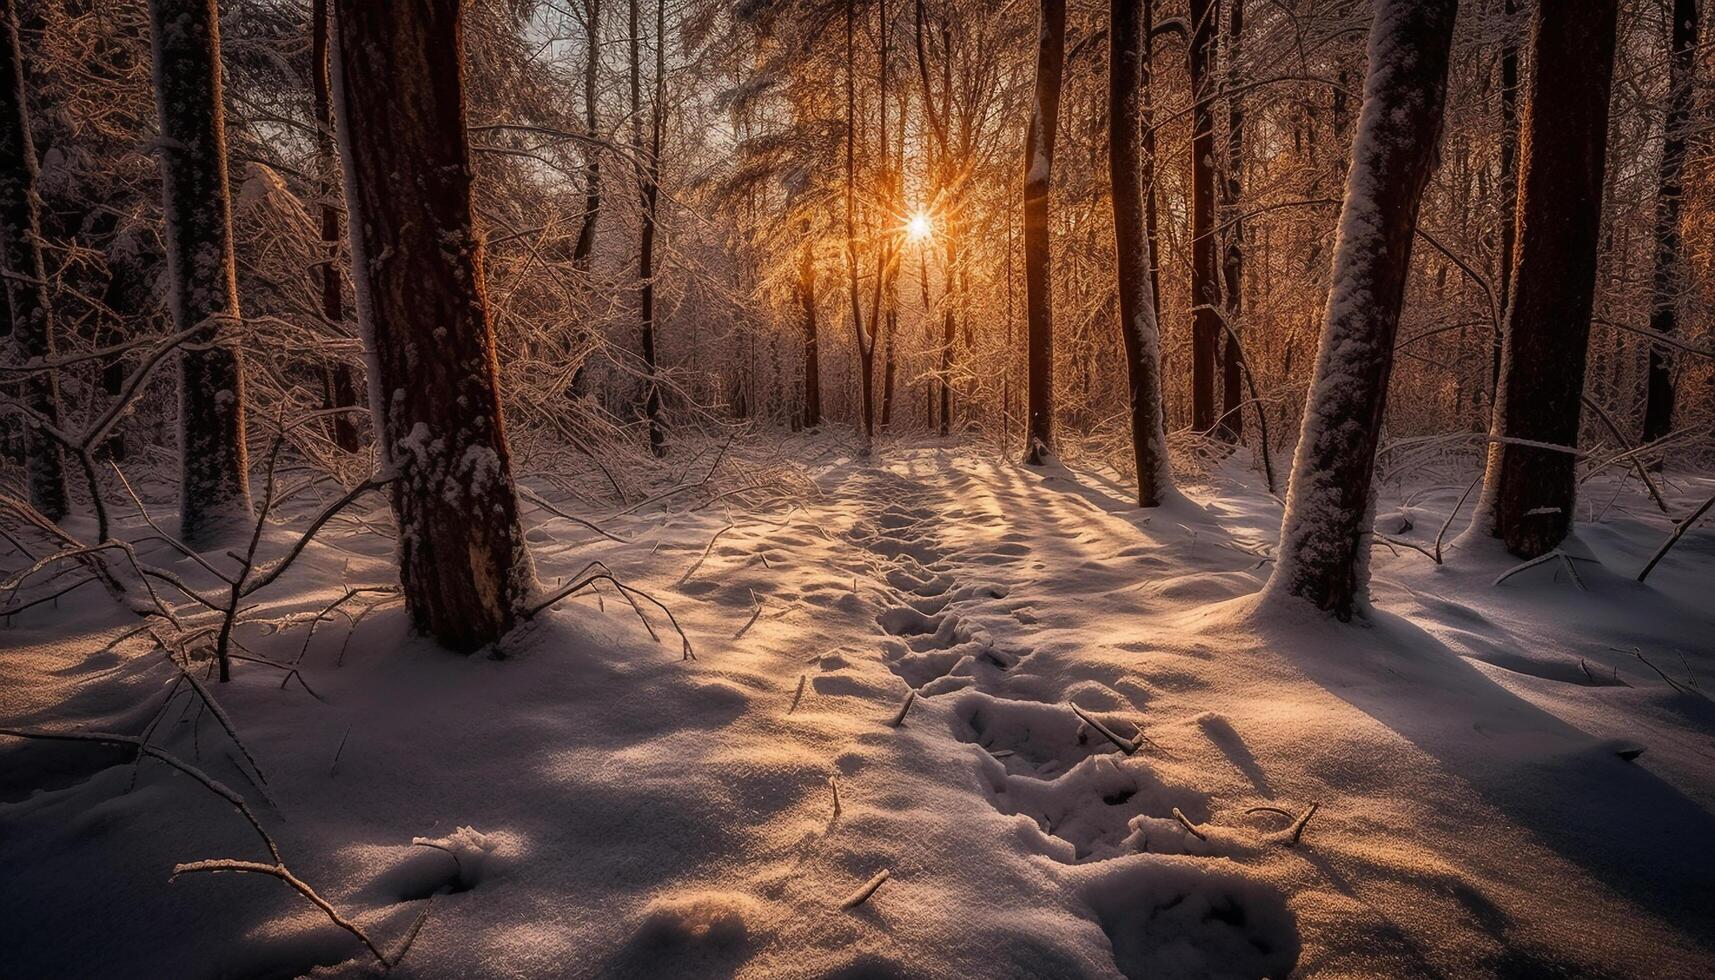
x=1138, y=324
x=1509, y=182
x=1038, y=178
x=1205, y=261
x=214, y=486
x=1324, y=536
x=1529, y=490
x=1669, y=246
x=32, y=323
x=399, y=92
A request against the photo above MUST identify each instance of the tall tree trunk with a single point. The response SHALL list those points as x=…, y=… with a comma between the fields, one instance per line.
x=812, y=362
x=1669, y=276
x=424, y=308
x=1038, y=179
x=646, y=246
x=949, y=325
x=1146, y=119
x=214, y=485
x=339, y=384
x=865, y=340
x=1232, y=419
x=1205, y=257
x=1509, y=183
x=1324, y=535
x=1138, y=324
x=1529, y=490
x=585, y=246
x=32, y=325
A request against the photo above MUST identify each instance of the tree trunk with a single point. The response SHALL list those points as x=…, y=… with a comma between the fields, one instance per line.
x=32, y=325
x=339, y=385
x=1669, y=276
x=1038, y=178
x=585, y=246
x=214, y=485
x=646, y=247
x=865, y=341
x=1146, y=111
x=1529, y=490
x=424, y=309
x=1232, y=419
x=812, y=362
x=1509, y=184
x=1205, y=259
x=1324, y=535
x=1138, y=324
x=949, y=326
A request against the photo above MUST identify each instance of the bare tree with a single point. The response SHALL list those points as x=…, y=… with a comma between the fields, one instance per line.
x=214, y=486
x=1038, y=180
x=651, y=191
x=32, y=319
x=1530, y=484
x=1669, y=276
x=1232, y=421
x=339, y=382
x=400, y=93
x=1324, y=546
x=1138, y=324
x=1205, y=253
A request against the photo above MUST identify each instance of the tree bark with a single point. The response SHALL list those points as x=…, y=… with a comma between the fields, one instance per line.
x=646, y=246
x=1138, y=323
x=1529, y=490
x=1509, y=183
x=339, y=385
x=1205, y=259
x=1232, y=393
x=214, y=485
x=1669, y=276
x=812, y=361
x=1324, y=536
x=865, y=339
x=424, y=310
x=585, y=246
x=1038, y=179
x=32, y=319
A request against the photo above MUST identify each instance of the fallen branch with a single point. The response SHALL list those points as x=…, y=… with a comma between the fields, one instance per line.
x=862, y=894
x=904, y=709
x=1128, y=746
x=1185, y=822
x=1679, y=530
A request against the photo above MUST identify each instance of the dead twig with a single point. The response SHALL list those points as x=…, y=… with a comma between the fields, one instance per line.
x=862, y=894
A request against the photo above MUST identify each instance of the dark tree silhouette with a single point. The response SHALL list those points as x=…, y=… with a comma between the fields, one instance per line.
x=1205, y=255
x=214, y=486
x=339, y=383
x=32, y=320
x=1669, y=245
x=1530, y=484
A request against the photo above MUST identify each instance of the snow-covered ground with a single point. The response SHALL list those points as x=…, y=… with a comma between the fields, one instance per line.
x=600, y=806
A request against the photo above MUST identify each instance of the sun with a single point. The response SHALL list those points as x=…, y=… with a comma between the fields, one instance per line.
x=919, y=227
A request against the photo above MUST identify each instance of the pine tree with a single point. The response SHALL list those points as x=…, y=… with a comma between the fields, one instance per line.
x=400, y=92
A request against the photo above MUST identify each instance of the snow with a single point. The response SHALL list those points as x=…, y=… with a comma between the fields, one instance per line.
x=586, y=803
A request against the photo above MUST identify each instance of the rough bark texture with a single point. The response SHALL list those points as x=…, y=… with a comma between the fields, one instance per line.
x=1669, y=204
x=214, y=487
x=422, y=304
x=1205, y=258
x=1038, y=178
x=32, y=323
x=1530, y=489
x=1138, y=324
x=1324, y=536
x=339, y=384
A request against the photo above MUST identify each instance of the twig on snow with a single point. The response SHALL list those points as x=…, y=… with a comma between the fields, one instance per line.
x=862, y=894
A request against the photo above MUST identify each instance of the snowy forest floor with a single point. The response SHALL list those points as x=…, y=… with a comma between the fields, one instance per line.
x=631, y=813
